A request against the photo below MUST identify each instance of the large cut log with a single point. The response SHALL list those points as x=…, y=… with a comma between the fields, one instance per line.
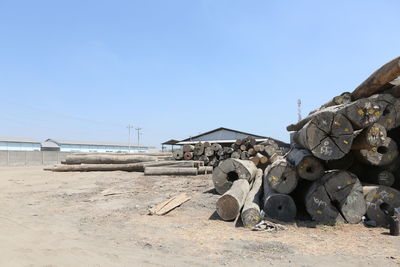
x=278, y=206
x=281, y=176
x=251, y=214
x=208, y=151
x=382, y=155
x=188, y=155
x=173, y=163
x=230, y=170
x=390, y=110
x=381, y=201
x=198, y=149
x=230, y=203
x=307, y=166
x=378, y=79
x=129, y=167
x=378, y=176
x=177, y=154
x=107, y=159
x=394, y=91
x=169, y=171
x=336, y=197
x=361, y=113
x=187, y=148
x=341, y=164
x=328, y=136
x=236, y=155
x=344, y=98
x=372, y=136
x=216, y=147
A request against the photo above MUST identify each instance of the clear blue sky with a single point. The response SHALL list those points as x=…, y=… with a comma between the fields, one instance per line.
x=86, y=69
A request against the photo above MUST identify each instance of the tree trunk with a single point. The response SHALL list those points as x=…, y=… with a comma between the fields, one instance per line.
x=394, y=91
x=328, y=136
x=188, y=155
x=170, y=171
x=205, y=159
x=187, y=148
x=198, y=149
x=229, y=205
x=281, y=176
x=251, y=210
x=178, y=154
x=372, y=136
x=381, y=201
x=344, y=98
x=307, y=166
x=107, y=159
x=336, y=197
x=378, y=79
x=209, y=152
x=277, y=206
x=205, y=170
x=244, y=155
x=341, y=164
x=379, y=156
x=216, y=147
x=390, y=110
x=235, y=155
x=173, y=163
x=129, y=167
x=230, y=170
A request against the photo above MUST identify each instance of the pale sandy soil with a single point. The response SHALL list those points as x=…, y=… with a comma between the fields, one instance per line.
x=64, y=219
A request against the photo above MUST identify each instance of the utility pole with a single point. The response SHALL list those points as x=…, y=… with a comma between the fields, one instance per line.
x=129, y=138
x=299, y=109
x=138, y=135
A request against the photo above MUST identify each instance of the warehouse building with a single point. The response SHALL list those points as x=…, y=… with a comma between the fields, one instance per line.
x=19, y=144
x=94, y=146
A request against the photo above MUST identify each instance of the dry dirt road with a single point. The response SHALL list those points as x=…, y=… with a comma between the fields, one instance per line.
x=64, y=219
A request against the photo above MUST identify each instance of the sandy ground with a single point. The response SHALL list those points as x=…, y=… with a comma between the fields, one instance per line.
x=64, y=219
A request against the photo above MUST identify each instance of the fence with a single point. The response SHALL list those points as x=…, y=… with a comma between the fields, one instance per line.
x=31, y=158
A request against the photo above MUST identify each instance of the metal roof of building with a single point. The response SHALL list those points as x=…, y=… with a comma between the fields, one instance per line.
x=90, y=143
x=49, y=144
x=18, y=140
x=226, y=129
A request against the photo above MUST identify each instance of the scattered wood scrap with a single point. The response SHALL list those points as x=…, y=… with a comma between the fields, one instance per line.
x=168, y=205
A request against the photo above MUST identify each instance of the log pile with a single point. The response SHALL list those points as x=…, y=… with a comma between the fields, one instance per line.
x=245, y=149
x=343, y=163
x=148, y=164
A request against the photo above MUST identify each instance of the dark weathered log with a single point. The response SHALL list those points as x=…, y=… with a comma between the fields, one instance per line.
x=278, y=206
x=107, y=159
x=390, y=110
x=251, y=215
x=307, y=166
x=213, y=162
x=205, y=170
x=169, y=171
x=381, y=201
x=379, y=156
x=341, y=164
x=129, y=167
x=281, y=176
x=336, y=197
x=198, y=149
x=372, y=136
x=361, y=114
x=187, y=148
x=208, y=151
x=231, y=202
x=216, y=147
x=205, y=159
x=378, y=176
x=394, y=222
x=177, y=154
x=378, y=79
x=188, y=155
x=328, y=136
x=394, y=91
x=230, y=170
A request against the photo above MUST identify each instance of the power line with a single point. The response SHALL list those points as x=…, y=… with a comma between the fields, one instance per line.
x=138, y=135
x=129, y=136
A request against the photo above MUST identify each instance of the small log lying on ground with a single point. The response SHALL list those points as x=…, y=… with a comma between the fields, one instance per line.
x=382, y=155
x=173, y=163
x=372, y=136
x=230, y=203
x=278, y=206
x=170, y=171
x=130, y=167
x=336, y=197
x=307, y=166
x=281, y=176
x=378, y=79
x=251, y=214
x=230, y=170
x=107, y=159
x=328, y=136
x=381, y=201
x=168, y=205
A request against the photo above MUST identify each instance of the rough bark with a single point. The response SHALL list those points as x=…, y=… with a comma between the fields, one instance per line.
x=307, y=166
x=198, y=149
x=187, y=148
x=281, y=176
x=169, y=171
x=129, y=167
x=107, y=159
x=231, y=202
x=251, y=214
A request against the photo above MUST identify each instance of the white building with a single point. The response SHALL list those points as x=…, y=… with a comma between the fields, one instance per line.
x=95, y=146
x=19, y=144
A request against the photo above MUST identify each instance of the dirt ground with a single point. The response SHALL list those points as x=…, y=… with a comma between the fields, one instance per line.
x=64, y=219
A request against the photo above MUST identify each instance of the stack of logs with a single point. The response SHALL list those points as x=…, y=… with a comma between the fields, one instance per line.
x=343, y=163
x=245, y=149
x=150, y=164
